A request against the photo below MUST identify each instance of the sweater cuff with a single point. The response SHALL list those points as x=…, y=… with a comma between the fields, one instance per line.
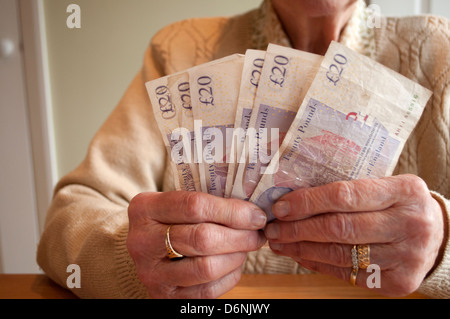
x=130, y=285
x=437, y=284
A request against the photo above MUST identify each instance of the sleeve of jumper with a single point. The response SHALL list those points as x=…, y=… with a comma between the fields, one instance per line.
x=87, y=222
x=437, y=284
x=435, y=59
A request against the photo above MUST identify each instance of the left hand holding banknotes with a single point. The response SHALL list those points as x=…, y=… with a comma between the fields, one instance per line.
x=212, y=233
x=396, y=216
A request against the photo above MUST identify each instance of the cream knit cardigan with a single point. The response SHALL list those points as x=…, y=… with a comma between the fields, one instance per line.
x=87, y=223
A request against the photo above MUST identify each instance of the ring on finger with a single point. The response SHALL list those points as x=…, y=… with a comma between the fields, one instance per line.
x=363, y=256
x=355, y=266
x=171, y=253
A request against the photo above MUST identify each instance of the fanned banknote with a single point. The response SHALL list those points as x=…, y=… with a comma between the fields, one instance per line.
x=352, y=124
x=214, y=92
x=251, y=73
x=171, y=103
x=285, y=79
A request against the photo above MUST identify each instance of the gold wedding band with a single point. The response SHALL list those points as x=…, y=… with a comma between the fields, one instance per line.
x=363, y=256
x=353, y=275
x=172, y=254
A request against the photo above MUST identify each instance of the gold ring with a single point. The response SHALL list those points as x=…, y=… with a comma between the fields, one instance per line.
x=353, y=275
x=172, y=254
x=363, y=256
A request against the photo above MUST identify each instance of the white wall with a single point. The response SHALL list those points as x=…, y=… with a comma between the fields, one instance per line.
x=413, y=7
x=91, y=67
x=440, y=7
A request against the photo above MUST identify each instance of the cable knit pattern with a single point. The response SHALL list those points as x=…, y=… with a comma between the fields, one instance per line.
x=87, y=223
x=423, y=56
x=264, y=261
x=437, y=284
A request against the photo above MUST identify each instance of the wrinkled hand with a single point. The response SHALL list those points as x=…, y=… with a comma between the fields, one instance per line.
x=397, y=216
x=213, y=233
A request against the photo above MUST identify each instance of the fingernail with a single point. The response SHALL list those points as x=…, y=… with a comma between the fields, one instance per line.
x=261, y=238
x=277, y=247
x=272, y=231
x=281, y=208
x=259, y=219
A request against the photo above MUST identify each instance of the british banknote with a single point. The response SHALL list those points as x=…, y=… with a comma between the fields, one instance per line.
x=352, y=124
x=171, y=104
x=285, y=79
x=214, y=88
x=251, y=73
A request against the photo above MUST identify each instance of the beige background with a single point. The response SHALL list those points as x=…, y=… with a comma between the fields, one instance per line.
x=91, y=67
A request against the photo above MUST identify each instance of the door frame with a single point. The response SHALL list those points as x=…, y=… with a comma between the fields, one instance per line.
x=39, y=106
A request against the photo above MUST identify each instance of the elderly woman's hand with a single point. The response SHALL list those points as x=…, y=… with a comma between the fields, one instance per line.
x=213, y=234
x=397, y=216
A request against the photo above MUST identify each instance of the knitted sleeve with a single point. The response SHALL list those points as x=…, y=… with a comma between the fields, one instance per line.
x=87, y=223
x=437, y=284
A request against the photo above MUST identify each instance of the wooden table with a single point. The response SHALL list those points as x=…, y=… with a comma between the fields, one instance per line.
x=250, y=287
x=311, y=286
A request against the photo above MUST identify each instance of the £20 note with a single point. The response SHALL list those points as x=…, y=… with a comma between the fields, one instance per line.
x=352, y=124
x=214, y=88
x=251, y=73
x=170, y=98
x=285, y=79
